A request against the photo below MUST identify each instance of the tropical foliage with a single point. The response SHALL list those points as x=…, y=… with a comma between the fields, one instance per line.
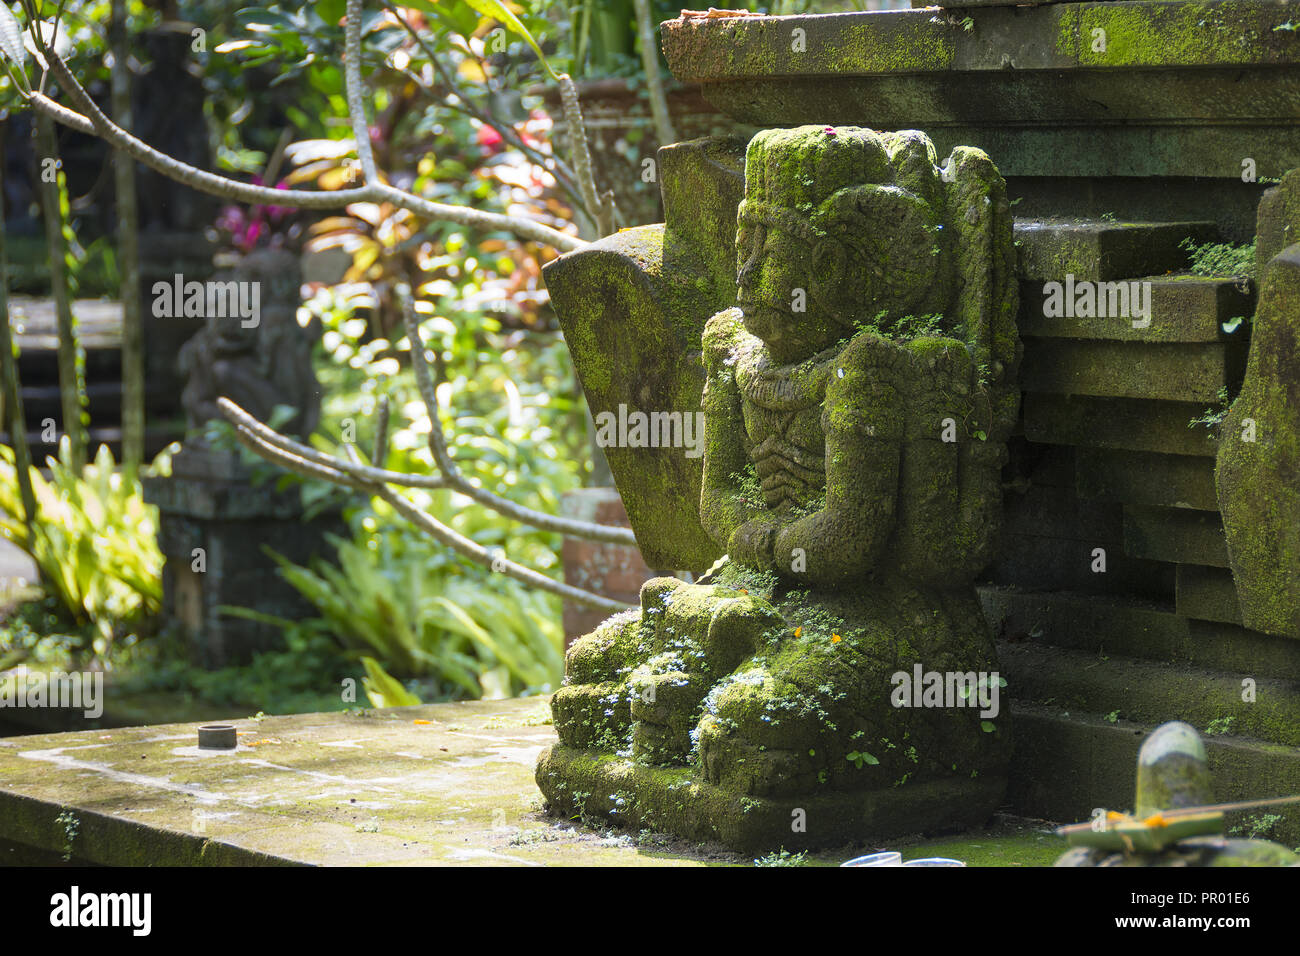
x=94, y=540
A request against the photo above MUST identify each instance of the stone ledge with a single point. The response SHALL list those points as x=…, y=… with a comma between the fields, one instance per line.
x=1152, y=693
x=441, y=784
x=1137, y=629
x=1066, y=764
x=1056, y=37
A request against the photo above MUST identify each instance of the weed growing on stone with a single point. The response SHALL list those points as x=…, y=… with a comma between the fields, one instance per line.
x=1213, y=417
x=1221, y=259
x=1219, y=726
x=782, y=858
x=71, y=827
x=1257, y=826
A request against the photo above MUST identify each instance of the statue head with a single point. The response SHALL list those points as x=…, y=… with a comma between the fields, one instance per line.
x=840, y=227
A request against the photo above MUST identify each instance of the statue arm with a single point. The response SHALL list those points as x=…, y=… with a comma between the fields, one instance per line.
x=863, y=422
x=727, y=503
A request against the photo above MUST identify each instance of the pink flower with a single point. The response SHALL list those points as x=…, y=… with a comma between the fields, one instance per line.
x=489, y=139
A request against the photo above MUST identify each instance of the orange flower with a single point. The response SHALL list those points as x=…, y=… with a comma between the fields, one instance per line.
x=422, y=721
x=835, y=638
x=798, y=631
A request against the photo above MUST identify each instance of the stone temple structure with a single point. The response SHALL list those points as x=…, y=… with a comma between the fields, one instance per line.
x=965, y=302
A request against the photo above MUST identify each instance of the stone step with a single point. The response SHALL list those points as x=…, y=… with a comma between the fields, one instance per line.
x=1147, y=630
x=1040, y=466
x=1151, y=693
x=1126, y=424
x=1177, y=535
x=1061, y=564
x=1178, y=372
x=1067, y=763
x=1098, y=249
x=1145, y=478
x=1183, y=308
x=1047, y=513
x=1207, y=594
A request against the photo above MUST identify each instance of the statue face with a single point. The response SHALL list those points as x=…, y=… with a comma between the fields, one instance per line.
x=775, y=255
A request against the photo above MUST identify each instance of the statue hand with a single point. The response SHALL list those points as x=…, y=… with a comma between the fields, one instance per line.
x=751, y=544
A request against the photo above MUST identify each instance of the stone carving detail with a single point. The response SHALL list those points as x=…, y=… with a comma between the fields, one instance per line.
x=1258, y=471
x=258, y=365
x=857, y=399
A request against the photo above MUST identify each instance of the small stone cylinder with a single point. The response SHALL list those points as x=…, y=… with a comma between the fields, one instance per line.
x=1173, y=770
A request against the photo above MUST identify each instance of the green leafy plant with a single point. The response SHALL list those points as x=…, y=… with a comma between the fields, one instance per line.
x=93, y=539
x=1220, y=259
x=860, y=760
x=1213, y=417
x=1257, y=826
x=1219, y=726
x=71, y=827
x=409, y=612
x=383, y=689
x=781, y=858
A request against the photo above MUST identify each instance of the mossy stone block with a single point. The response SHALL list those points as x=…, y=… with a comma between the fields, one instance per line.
x=1101, y=250
x=1208, y=594
x=1277, y=223
x=1177, y=535
x=1193, y=372
x=1127, y=424
x=1184, y=308
x=1258, y=473
x=1146, y=478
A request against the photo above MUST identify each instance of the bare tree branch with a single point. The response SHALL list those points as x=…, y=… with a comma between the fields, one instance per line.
x=450, y=472
x=353, y=473
x=380, y=453
x=650, y=60
x=92, y=120
x=360, y=472
x=256, y=436
x=356, y=100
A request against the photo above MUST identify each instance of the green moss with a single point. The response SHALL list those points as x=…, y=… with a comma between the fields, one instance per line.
x=927, y=47
x=1158, y=35
x=1258, y=468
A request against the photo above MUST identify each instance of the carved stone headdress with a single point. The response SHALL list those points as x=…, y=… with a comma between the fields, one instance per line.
x=890, y=231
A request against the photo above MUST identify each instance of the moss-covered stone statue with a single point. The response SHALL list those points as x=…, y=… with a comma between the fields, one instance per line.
x=835, y=678
x=1175, y=822
x=1258, y=471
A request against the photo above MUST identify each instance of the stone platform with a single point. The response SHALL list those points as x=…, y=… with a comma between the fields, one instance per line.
x=441, y=784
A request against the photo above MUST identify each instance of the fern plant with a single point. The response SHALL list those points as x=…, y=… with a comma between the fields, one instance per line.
x=93, y=539
x=411, y=614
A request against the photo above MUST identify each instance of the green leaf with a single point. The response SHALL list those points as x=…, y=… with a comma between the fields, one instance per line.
x=331, y=11
x=499, y=12
x=11, y=38
x=383, y=689
x=987, y=726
